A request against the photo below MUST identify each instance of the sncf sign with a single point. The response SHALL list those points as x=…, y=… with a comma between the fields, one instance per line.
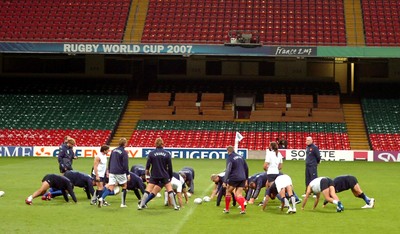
x=387, y=156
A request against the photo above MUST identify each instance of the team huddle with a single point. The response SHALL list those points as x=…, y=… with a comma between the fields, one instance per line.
x=112, y=176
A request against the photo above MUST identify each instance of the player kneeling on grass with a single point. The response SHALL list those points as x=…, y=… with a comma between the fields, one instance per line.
x=78, y=179
x=56, y=182
x=279, y=188
x=346, y=182
x=189, y=178
x=324, y=185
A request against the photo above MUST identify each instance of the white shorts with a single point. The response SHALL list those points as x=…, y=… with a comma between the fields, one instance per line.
x=117, y=179
x=282, y=182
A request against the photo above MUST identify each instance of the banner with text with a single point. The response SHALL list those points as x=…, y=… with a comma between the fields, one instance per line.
x=201, y=153
x=189, y=153
x=16, y=151
x=326, y=155
x=387, y=156
x=86, y=152
x=133, y=152
x=156, y=49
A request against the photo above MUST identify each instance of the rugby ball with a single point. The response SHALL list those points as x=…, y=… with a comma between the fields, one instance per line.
x=198, y=200
x=206, y=199
x=2, y=193
x=189, y=194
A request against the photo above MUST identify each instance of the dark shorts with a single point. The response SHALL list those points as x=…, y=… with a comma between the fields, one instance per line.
x=352, y=181
x=237, y=184
x=102, y=179
x=326, y=183
x=48, y=178
x=160, y=182
x=343, y=183
x=272, y=190
x=271, y=177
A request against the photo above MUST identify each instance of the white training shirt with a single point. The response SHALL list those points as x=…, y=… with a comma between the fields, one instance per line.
x=273, y=160
x=177, y=184
x=102, y=166
x=282, y=182
x=315, y=185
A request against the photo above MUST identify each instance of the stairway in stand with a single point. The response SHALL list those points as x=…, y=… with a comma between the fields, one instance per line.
x=128, y=121
x=354, y=23
x=355, y=127
x=136, y=20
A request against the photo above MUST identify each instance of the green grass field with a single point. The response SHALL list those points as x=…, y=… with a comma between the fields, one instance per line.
x=20, y=177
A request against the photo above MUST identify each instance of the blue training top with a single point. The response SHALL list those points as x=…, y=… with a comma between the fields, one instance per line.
x=160, y=162
x=118, y=163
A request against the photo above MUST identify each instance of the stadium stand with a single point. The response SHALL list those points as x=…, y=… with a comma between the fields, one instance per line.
x=283, y=22
x=43, y=114
x=277, y=22
x=64, y=21
x=382, y=122
x=212, y=101
x=381, y=22
x=219, y=134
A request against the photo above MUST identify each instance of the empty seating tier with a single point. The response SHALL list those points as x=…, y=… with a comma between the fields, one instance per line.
x=45, y=119
x=219, y=134
x=279, y=22
x=64, y=21
x=381, y=22
x=383, y=123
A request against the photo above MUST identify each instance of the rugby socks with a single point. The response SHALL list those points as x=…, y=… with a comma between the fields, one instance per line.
x=123, y=196
x=30, y=198
x=151, y=196
x=293, y=200
x=106, y=192
x=365, y=198
x=144, y=198
x=241, y=200
x=94, y=197
x=284, y=199
x=172, y=198
x=295, y=195
x=166, y=198
x=55, y=193
x=99, y=193
x=335, y=202
x=227, y=201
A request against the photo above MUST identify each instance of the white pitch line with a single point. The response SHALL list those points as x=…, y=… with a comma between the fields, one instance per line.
x=190, y=212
